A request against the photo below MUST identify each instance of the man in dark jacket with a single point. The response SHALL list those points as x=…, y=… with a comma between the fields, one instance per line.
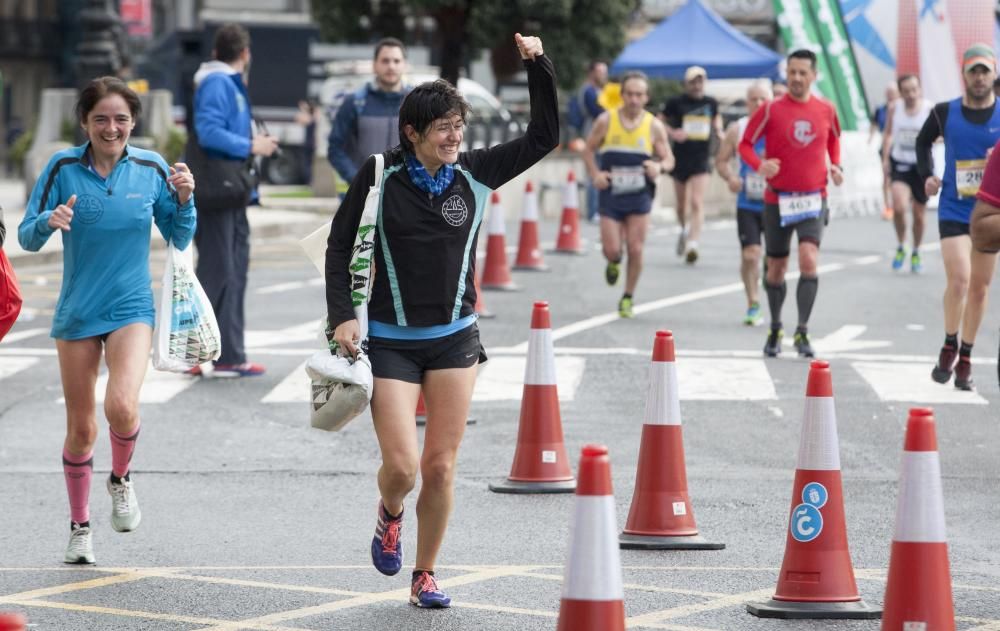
x=367, y=121
x=223, y=123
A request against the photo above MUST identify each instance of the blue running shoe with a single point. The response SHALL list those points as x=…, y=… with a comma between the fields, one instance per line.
x=424, y=592
x=899, y=259
x=754, y=316
x=915, y=265
x=387, y=549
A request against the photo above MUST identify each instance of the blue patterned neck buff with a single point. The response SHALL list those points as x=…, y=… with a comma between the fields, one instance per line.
x=433, y=185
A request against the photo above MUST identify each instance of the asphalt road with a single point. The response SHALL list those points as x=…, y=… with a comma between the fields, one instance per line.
x=254, y=521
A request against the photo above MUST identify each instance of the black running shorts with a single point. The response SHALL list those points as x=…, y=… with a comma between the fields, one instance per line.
x=952, y=228
x=909, y=177
x=778, y=239
x=749, y=226
x=407, y=360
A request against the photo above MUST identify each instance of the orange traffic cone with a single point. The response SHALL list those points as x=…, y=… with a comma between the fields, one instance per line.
x=593, y=596
x=918, y=592
x=529, y=252
x=480, y=307
x=661, y=517
x=817, y=577
x=540, y=461
x=496, y=274
x=10, y=621
x=568, y=241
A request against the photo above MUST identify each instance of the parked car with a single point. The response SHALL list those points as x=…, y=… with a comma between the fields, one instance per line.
x=489, y=123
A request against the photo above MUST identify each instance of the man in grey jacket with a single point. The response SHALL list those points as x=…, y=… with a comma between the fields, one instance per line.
x=367, y=120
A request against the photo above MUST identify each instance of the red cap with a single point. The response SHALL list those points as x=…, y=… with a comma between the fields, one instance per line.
x=495, y=198
x=540, y=316
x=595, y=471
x=920, y=433
x=820, y=383
x=663, y=347
x=571, y=177
x=10, y=621
x=528, y=187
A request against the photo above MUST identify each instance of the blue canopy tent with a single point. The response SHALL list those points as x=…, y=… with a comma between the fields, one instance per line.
x=696, y=36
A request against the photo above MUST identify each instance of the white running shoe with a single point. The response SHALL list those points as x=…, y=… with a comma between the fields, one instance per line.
x=81, y=546
x=125, y=513
x=682, y=242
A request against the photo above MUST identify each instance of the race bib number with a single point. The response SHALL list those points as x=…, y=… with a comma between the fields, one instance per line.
x=796, y=207
x=969, y=176
x=697, y=127
x=906, y=139
x=754, y=185
x=626, y=180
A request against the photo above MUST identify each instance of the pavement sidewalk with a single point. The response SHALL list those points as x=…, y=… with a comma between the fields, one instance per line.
x=276, y=218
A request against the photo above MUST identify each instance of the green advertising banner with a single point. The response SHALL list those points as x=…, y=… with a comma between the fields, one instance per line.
x=817, y=25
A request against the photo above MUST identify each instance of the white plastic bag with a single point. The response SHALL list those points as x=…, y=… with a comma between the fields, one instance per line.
x=341, y=389
x=187, y=333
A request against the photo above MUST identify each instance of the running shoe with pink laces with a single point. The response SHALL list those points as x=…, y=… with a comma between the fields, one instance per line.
x=387, y=549
x=424, y=592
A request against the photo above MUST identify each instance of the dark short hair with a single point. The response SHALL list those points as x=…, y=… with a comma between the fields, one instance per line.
x=633, y=74
x=906, y=77
x=804, y=53
x=427, y=103
x=595, y=63
x=230, y=41
x=101, y=87
x=389, y=42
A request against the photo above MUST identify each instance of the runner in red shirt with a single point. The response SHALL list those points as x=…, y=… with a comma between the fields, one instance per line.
x=799, y=131
x=985, y=225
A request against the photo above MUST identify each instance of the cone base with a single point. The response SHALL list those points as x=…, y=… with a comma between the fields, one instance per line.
x=579, y=252
x=523, y=488
x=531, y=268
x=422, y=421
x=666, y=542
x=486, y=315
x=501, y=287
x=789, y=610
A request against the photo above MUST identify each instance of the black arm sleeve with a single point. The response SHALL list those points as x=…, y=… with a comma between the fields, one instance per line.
x=340, y=244
x=933, y=128
x=500, y=164
x=3, y=228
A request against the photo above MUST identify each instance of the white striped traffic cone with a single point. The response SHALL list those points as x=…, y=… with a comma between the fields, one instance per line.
x=593, y=596
x=529, y=251
x=661, y=517
x=918, y=592
x=569, y=241
x=817, y=576
x=496, y=274
x=540, y=461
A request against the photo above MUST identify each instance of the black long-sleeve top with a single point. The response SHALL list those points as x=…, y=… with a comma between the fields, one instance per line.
x=934, y=128
x=425, y=246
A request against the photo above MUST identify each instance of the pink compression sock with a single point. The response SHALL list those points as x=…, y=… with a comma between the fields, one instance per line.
x=122, y=447
x=78, y=470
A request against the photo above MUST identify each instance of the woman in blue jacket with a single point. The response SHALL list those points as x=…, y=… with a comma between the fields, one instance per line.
x=103, y=196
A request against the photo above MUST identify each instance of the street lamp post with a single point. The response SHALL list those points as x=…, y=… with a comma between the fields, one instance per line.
x=98, y=52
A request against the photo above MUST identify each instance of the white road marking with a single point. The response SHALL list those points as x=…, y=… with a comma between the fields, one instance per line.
x=12, y=365
x=911, y=383
x=304, y=332
x=843, y=339
x=158, y=387
x=726, y=380
x=17, y=336
x=671, y=301
x=290, y=286
x=293, y=389
x=502, y=379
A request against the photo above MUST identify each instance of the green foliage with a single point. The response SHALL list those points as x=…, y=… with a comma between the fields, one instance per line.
x=660, y=90
x=67, y=131
x=572, y=31
x=19, y=150
x=171, y=146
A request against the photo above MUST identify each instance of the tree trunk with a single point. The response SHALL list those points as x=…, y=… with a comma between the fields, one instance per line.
x=451, y=35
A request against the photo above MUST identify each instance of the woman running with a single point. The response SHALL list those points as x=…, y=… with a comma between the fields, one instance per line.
x=102, y=196
x=423, y=332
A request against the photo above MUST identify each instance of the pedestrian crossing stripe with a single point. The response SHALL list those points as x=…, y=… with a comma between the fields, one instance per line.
x=502, y=379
